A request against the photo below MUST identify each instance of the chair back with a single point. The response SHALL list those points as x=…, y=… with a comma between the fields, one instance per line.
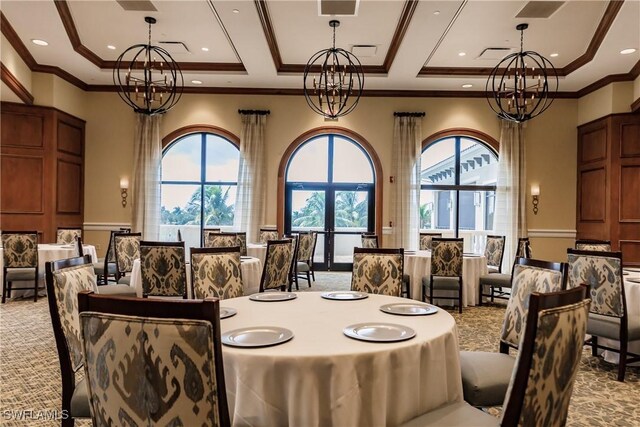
x=207, y=233
x=68, y=236
x=164, y=364
x=242, y=242
x=446, y=257
x=593, y=245
x=546, y=366
x=602, y=271
x=305, y=246
x=223, y=240
x=369, y=241
x=111, y=247
x=529, y=276
x=216, y=272
x=425, y=240
x=277, y=265
x=20, y=249
x=163, y=269
x=378, y=271
x=127, y=250
x=524, y=248
x=267, y=234
x=79, y=247
x=294, y=258
x=494, y=251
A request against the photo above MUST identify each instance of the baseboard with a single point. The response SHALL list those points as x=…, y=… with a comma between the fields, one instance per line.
x=550, y=233
x=104, y=226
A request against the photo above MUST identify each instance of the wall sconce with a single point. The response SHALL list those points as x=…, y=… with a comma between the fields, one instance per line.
x=535, y=193
x=124, y=187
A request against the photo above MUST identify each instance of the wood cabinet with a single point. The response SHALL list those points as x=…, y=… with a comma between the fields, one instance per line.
x=609, y=183
x=41, y=169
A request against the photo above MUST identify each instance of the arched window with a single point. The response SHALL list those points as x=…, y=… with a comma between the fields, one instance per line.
x=199, y=182
x=458, y=184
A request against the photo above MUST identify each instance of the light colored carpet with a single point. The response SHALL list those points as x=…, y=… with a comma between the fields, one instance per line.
x=30, y=376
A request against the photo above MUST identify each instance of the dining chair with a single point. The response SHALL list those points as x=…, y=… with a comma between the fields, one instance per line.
x=223, y=240
x=216, y=272
x=593, y=245
x=163, y=269
x=242, y=242
x=267, y=234
x=68, y=236
x=446, y=270
x=540, y=388
x=164, y=364
x=304, y=258
x=126, y=250
x=369, y=241
x=206, y=235
x=608, y=316
x=486, y=375
x=378, y=271
x=498, y=282
x=277, y=265
x=425, y=240
x=293, y=270
x=494, y=253
x=20, y=256
x=108, y=263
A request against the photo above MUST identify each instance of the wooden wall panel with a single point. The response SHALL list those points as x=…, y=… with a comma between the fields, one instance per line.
x=593, y=145
x=22, y=130
x=593, y=188
x=630, y=252
x=630, y=193
x=69, y=188
x=70, y=138
x=22, y=178
x=630, y=140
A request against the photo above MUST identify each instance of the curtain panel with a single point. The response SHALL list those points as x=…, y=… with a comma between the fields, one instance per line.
x=147, y=176
x=250, y=207
x=405, y=191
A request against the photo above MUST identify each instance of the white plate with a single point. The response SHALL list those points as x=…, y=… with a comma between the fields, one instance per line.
x=227, y=312
x=471, y=255
x=257, y=336
x=344, y=295
x=273, y=296
x=379, y=332
x=245, y=258
x=409, y=309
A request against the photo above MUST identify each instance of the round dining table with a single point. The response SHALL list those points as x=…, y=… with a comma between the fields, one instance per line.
x=257, y=250
x=323, y=378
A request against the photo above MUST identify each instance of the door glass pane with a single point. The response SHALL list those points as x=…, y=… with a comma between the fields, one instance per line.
x=310, y=162
x=438, y=163
x=307, y=210
x=351, y=211
x=219, y=204
x=476, y=207
x=182, y=161
x=318, y=256
x=222, y=160
x=343, y=247
x=180, y=210
x=439, y=211
x=350, y=163
x=478, y=164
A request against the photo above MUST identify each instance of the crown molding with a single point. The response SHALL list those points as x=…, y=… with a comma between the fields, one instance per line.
x=14, y=84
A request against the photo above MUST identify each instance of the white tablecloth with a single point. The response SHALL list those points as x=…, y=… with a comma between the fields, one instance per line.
x=251, y=272
x=323, y=378
x=632, y=294
x=257, y=250
x=418, y=265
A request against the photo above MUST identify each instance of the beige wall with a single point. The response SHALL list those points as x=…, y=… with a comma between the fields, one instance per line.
x=613, y=98
x=14, y=63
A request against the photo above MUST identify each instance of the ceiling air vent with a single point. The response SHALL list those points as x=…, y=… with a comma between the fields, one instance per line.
x=539, y=9
x=137, y=5
x=495, y=53
x=338, y=7
x=364, y=50
x=174, y=48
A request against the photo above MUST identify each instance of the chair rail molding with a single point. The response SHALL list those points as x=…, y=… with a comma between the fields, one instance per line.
x=104, y=226
x=552, y=233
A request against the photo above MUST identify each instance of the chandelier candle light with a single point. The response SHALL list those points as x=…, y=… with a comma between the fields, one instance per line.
x=336, y=90
x=522, y=85
x=151, y=82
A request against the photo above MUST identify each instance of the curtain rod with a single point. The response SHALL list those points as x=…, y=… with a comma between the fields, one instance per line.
x=403, y=114
x=258, y=112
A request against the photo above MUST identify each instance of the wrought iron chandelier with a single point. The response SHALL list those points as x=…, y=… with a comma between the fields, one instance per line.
x=151, y=82
x=522, y=85
x=336, y=90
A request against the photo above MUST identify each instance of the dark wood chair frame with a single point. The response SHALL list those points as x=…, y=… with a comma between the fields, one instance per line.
x=193, y=251
x=207, y=310
x=562, y=267
x=7, y=287
x=105, y=278
x=493, y=293
x=592, y=242
x=293, y=271
x=309, y=262
x=266, y=262
x=626, y=356
x=434, y=235
x=460, y=280
x=66, y=371
x=156, y=244
x=385, y=251
x=119, y=273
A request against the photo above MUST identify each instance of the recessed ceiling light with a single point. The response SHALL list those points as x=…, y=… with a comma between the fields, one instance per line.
x=437, y=12
x=196, y=82
x=236, y=11
x=627, y=51
x=110, y=46
x=205, y=49
x=553, y=55
x=467, y=86
x=462, y=53
x=39, y=42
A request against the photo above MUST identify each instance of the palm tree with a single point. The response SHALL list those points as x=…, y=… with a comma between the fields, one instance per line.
x=217, y=211
x=350, y=212
x=312, y=213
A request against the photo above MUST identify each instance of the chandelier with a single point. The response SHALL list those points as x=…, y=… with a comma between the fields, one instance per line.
x=336, y=88
x=151, y=82
x=522, y=85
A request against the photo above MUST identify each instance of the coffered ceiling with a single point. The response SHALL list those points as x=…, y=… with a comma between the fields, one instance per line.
x=263, y=45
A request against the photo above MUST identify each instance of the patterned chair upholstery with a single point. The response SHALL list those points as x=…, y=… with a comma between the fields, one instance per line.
x=540, y=388
x=242, y=242
x=164, y=369
x=277, y=265
x=163, y=269
x=108, y=263
x=68, y=236
x=369, y=241
x=593, y=245
x=608, y=318
x=378, y=271
x=65, y=279
x=446, y=269
x=494, y=252
x=20, y=256
x=207, y=234
x=293, y=272
x=304, y=257
x=216, y=272
x=425, y=240
x=267, y=234
x=127, y=250
x=223, y=240
x=499, y=282
x=486, y=375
